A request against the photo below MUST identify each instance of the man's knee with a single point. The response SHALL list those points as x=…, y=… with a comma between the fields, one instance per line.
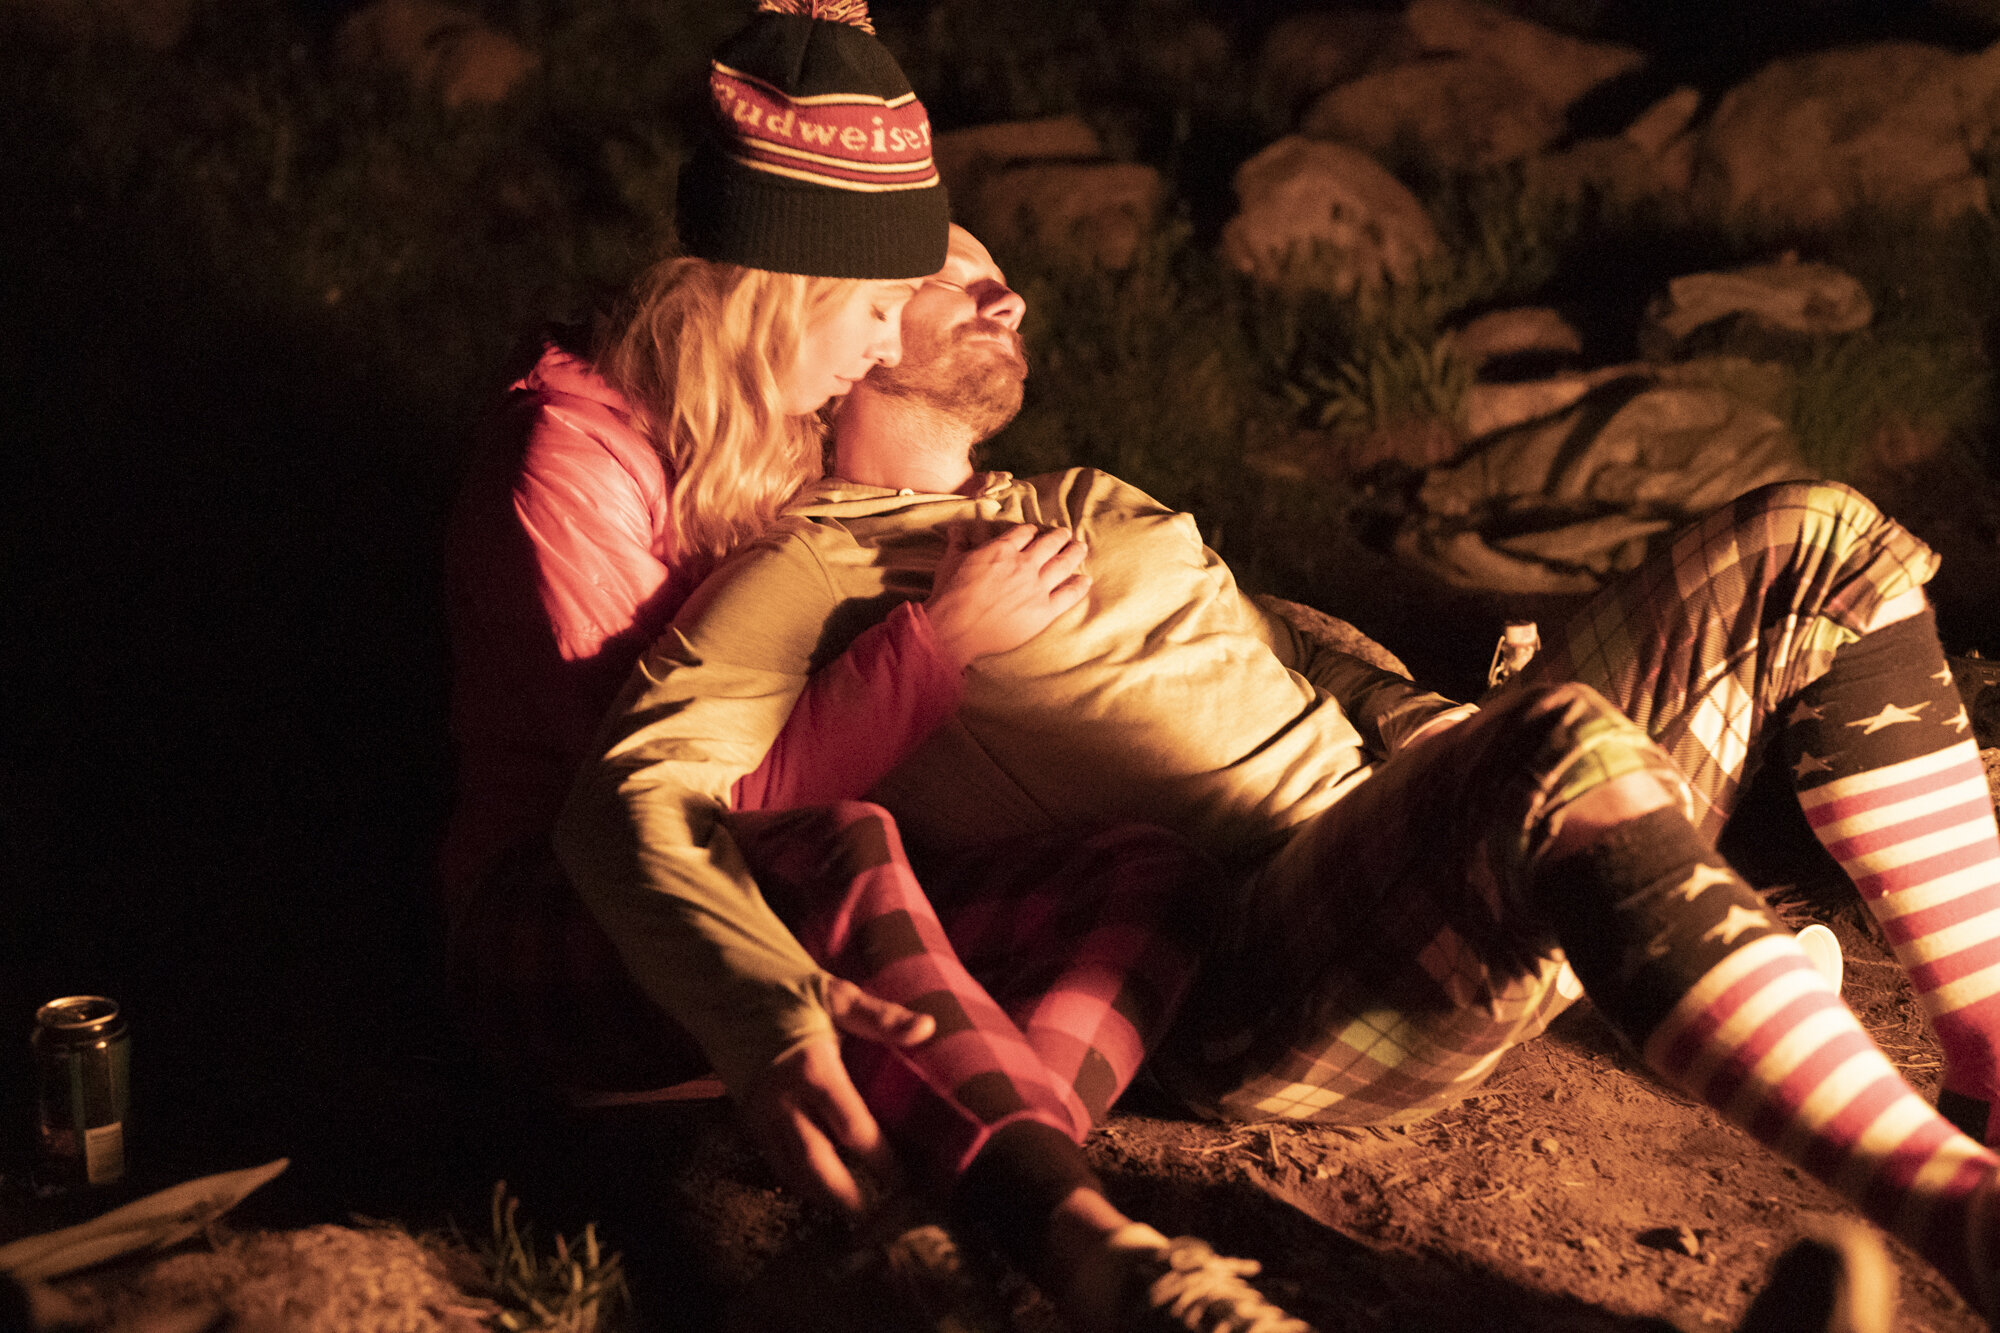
x=1586, y=763
x=1822, y=515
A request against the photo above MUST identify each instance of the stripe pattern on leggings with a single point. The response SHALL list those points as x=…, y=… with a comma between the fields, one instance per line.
x=1763, y=1037
x=1918, y=840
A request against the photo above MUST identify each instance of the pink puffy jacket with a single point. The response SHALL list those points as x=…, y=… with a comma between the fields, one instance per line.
x=563, y=569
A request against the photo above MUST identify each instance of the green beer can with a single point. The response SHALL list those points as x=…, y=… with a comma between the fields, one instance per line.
x=83, y=1089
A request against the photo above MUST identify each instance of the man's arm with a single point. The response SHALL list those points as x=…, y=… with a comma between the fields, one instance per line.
x=1370, y=683
x=641, y=838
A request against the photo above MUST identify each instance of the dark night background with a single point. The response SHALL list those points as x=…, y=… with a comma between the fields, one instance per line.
x=227, y=764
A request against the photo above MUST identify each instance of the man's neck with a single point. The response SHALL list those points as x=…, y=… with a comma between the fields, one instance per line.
x=899, y=444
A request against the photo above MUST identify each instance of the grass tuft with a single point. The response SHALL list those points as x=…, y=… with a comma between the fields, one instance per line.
x=572, y=1286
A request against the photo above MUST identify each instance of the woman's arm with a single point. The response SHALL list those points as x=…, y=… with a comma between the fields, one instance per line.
x=858, y=717
x=863, y=713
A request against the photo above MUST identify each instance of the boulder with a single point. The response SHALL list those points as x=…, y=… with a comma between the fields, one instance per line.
x=1525, y=330
x=1556, y=67
x=965, y=157
x=1894, y=125
x=1807, y=299
x=1305, y=54
x=1648, y=165
x=441, y=49
x=1459, y=113
x=1565, y=502
x=1097, y=212
x=1325, y=214
x=1048, y=183
x=1665, y=123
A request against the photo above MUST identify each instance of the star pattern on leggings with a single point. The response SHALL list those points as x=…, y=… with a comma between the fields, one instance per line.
x=1657, y=948
x=1810, y=763
x=1738, y=920
x=1805, y=712
x=1890, y=715
x=1700, y=881
x=1942, y=675
x=1960, y=722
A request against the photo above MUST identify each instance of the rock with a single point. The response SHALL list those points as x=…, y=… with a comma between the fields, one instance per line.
x=1665, y=123
x=1893, y=125
x=1648, y=165
x=1458, y=113
x=1814, y=300
x=1556, y=67
x=1480, y=88
x=1548, y=1147
x=1564, y=502
x=1047, y=183
x=1097, y=212
x=441, y=49
x=1305, y=54
x=1325, y=214
x=965, y=156
x=1516, y=332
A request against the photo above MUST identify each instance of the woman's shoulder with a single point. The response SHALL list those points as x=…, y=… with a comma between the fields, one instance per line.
x=561, y=373
x=575, y=418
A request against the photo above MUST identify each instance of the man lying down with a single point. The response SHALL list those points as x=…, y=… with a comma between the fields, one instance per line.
x=1369, y=893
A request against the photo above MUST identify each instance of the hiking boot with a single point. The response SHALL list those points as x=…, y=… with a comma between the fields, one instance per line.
x=1183, y=1286
x=1839, y=1281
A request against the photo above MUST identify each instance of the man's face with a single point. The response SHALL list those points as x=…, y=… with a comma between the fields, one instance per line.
x=962, y=351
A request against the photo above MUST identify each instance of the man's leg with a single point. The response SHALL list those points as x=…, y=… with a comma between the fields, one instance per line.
x=1549, y=826
x=1881, y=754
x=1796, y=612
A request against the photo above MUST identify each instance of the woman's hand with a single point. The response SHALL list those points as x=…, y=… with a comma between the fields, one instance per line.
x=805, y=1111
x=1002, y=593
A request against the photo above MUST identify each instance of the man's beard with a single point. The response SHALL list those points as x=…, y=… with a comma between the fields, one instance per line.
x=967, y=378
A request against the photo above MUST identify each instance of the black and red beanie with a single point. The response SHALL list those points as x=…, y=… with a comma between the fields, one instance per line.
x=818, y=155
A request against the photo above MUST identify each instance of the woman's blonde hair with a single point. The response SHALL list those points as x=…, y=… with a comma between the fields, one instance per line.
x=697, y=354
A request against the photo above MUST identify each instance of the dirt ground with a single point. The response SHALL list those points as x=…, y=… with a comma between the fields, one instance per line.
x=1572, y=1193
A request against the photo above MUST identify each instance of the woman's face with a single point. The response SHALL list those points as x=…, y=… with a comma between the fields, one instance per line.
x=843, y=342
